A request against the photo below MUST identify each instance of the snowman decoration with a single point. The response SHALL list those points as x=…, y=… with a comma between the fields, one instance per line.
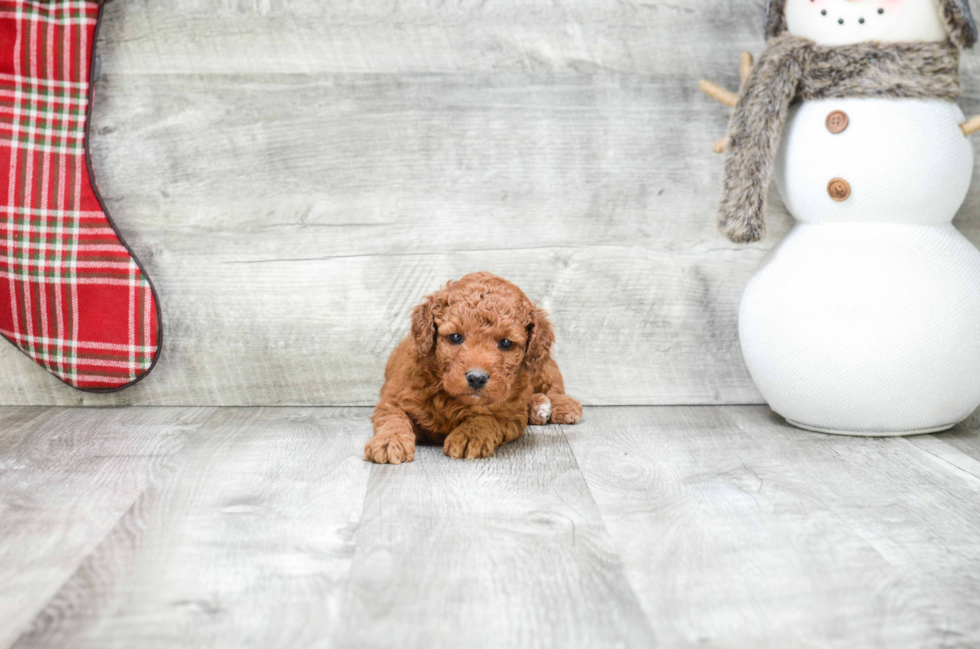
x=865, y=318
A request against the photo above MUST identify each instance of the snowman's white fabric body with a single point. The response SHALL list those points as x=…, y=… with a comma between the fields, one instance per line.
x=865, y=319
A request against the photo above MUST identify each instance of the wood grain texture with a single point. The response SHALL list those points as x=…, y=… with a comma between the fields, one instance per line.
x=737, y=530
x=675, y=527
x=296, y=174
x=963, y=438
x=248, y=543
x=505, y=552
x=66, y=478
x=401, y=37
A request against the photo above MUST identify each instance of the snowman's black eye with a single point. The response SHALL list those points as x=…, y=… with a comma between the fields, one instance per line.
x=823, y=13
x=861, y=20
x=881, y=11
x=840, y=21
x=456, y=339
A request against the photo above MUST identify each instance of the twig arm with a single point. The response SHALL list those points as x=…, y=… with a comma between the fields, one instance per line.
x=726, y=97
x=747, y=63
x=971, y=126
x=718, y=93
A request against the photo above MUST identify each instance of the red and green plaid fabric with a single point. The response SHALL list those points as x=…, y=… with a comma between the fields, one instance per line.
x=72, y=296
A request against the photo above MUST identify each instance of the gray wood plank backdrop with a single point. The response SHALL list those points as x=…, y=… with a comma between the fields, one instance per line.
x=296, y=174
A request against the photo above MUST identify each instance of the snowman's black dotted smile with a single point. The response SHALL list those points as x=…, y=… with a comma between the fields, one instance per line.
x=840, y=21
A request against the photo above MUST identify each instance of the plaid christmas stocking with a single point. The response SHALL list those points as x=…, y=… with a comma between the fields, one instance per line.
x=72, y=296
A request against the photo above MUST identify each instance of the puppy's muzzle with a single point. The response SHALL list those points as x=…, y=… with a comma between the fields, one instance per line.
x=477, y=379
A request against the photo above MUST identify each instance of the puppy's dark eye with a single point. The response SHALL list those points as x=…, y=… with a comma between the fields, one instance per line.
x=456, y=339
x=505, y=344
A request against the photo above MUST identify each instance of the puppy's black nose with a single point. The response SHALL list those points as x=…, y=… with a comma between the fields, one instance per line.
x=477, y=378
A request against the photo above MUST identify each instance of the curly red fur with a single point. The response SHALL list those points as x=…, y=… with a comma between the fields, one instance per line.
x=426, y=395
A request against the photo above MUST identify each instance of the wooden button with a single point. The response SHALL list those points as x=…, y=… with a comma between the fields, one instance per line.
x=837, y=122
x=839, y=190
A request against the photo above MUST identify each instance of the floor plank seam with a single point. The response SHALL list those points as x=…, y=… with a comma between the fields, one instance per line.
x=152, y=483
x=31, y=627
x=347, y=595
x=973, y=477
x=612, y=539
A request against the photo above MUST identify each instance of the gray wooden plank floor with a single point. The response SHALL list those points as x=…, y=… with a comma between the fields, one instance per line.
x=641, y=527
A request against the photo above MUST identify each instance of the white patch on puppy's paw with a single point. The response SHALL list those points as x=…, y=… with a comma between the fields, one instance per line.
x=543, y=411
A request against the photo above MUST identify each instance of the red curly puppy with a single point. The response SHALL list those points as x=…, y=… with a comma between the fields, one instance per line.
x=475, y=369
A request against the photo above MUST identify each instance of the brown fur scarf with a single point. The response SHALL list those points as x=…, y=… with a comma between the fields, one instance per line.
x=794, y=69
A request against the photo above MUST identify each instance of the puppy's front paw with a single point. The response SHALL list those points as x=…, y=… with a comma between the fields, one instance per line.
x=540, y=409
x=458, y=446
x=389, y=449
x=565, y=410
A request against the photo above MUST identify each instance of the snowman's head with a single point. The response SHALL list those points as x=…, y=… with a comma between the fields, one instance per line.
x=843, y=22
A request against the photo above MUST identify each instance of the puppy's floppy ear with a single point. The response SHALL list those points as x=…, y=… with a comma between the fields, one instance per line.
x=540, y=337
x=424, y=323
